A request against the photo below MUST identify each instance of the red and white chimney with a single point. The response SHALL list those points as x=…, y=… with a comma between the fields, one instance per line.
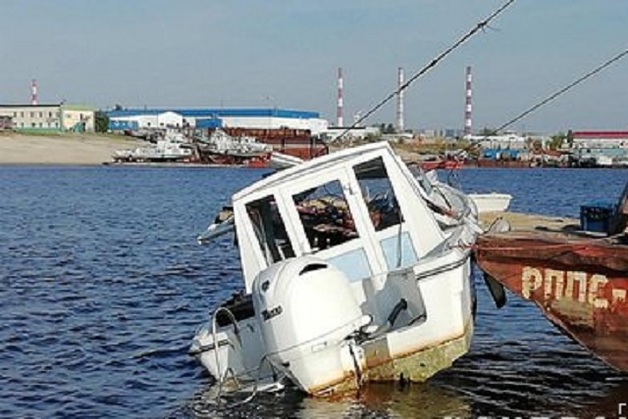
x=340, y=106
x=467, y=106
x=34, y=100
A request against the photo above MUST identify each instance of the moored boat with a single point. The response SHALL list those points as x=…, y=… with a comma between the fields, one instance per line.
x=225, y=149
x=491, y=202
x=444, y=164
x=578, y=279
x=172, y=147
x=353, y=272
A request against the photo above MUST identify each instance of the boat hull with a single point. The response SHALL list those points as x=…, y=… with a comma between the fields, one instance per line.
x=421, y=362
x=579, y=283
x=441, y=164
x=414, y=352
x=418, y=365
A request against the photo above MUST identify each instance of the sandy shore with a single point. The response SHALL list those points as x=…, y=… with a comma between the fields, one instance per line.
x=66, y=149
x=75, y=149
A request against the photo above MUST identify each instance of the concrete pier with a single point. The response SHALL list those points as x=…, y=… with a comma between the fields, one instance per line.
x=520, y=221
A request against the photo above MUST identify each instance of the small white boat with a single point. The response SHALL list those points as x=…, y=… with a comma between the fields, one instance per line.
x=355, y=269
x=491, y=202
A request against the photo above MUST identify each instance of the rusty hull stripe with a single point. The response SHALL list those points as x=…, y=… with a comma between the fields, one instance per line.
x=601, y=254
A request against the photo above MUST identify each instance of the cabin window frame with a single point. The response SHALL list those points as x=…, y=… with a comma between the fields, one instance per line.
x=361, y=246
x=269, y=243
x=395, y=242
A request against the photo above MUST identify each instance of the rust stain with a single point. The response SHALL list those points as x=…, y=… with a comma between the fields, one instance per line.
x=581, y=288
x=376, y=352
x=415, y=365
x=347, y=383
x=579, y=315
x=420, y=363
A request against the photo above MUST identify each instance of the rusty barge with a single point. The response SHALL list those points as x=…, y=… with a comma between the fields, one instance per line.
x=578, y=279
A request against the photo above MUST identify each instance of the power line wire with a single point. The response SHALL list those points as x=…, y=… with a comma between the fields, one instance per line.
x=550, y=98
x=564, y=89
x=481, y=25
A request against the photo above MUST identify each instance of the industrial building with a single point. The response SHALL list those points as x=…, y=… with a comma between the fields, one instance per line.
x=506, y=141
x=600, y=139
x=48, y=117
x=600, y=148
x=262, y=118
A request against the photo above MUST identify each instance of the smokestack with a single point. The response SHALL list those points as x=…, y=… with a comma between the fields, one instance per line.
x=340, y=111
x=467, y=107
x=33, y=92
x=400, y=82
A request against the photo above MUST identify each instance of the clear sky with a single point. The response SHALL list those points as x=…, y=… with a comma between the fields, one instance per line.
x=272, y=53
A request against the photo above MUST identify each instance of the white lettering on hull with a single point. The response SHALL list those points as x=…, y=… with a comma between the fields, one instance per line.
x=570, y=285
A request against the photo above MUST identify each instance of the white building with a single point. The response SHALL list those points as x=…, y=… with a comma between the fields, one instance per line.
x=600, y=139
x=264, y=118
x=504, y=141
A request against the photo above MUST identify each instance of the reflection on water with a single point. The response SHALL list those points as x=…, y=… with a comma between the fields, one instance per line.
x=424, y=400
x=102, y=287
x=374, y=400
x=458, y=394
x=519, y=365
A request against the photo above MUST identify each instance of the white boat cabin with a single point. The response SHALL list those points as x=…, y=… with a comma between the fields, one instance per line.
x=349, y=272
x=360, y=210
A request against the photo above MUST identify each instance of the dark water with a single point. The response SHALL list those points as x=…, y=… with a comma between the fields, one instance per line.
x=102, y=287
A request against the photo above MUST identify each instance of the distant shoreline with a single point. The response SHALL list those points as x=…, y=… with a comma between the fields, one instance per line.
x=176, y=164
x=94, y=149
x=77, y=149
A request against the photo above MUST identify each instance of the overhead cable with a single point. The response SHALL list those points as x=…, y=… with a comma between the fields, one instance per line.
x=481, y=25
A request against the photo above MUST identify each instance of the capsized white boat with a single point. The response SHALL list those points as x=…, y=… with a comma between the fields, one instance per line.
x=355, y=269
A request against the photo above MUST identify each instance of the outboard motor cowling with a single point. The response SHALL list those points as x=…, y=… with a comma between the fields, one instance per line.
x=306, y=309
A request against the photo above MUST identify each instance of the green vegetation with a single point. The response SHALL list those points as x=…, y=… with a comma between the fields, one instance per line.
x=386, y=129
x=101, y=121
x=437, y=147
x=557, y=140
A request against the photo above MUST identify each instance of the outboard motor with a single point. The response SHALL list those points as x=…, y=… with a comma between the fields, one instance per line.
x=306, y=310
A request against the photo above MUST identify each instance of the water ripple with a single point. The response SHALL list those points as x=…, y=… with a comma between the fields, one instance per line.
x=102, y=287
